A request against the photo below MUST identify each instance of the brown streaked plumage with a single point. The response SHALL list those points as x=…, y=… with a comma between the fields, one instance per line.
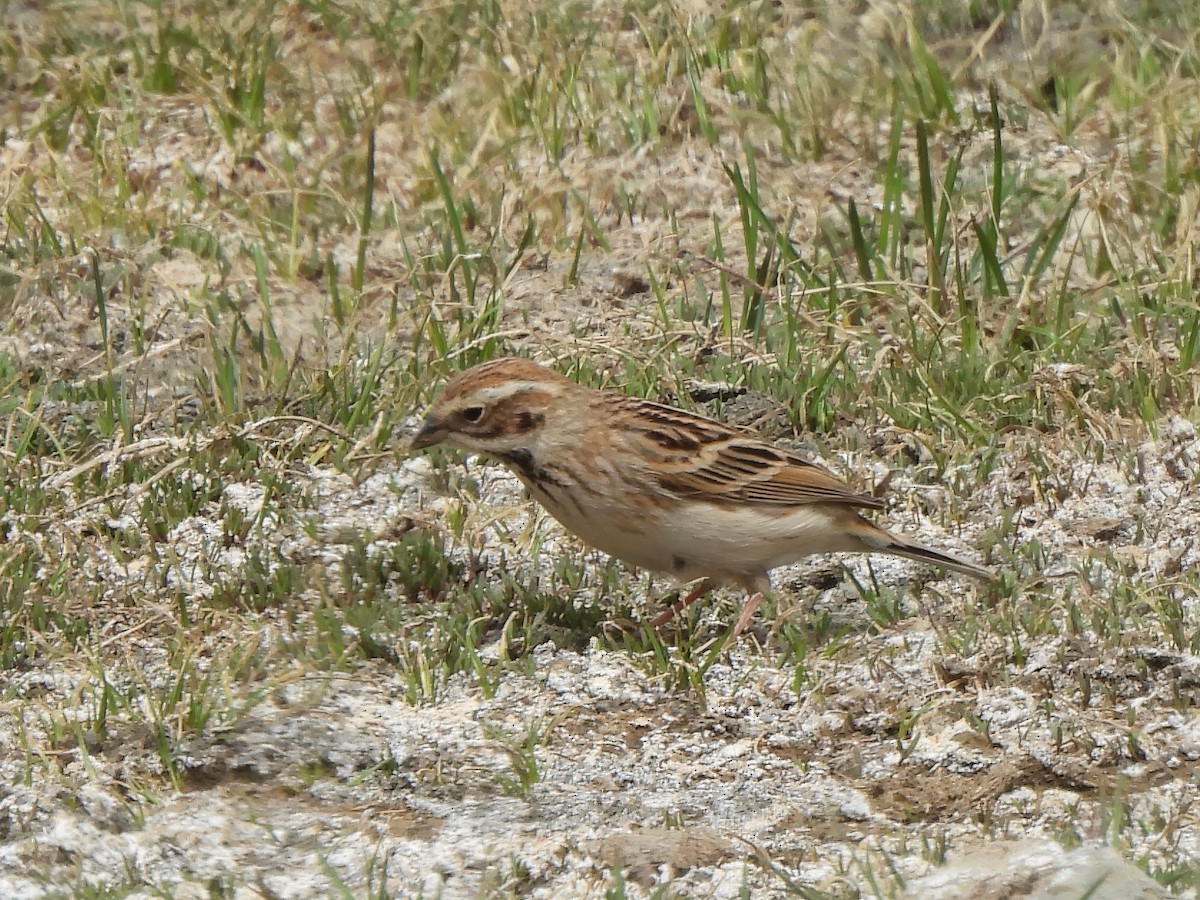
x=659, y=487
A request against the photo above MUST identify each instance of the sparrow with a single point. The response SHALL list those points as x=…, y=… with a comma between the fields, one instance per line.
x=661, y=488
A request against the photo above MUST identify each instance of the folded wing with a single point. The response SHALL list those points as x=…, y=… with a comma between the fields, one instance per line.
x=698, y=458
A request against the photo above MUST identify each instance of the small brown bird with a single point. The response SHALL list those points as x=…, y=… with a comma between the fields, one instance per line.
x=659, y=487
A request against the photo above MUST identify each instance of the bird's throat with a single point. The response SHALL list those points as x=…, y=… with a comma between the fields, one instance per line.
x=522, y=463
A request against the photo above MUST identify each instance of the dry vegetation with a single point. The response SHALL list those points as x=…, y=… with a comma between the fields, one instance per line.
x=251, y=648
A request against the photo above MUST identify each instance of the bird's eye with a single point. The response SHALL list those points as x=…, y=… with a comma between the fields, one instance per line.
x=473, y=413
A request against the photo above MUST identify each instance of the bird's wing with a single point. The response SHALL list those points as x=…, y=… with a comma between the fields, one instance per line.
x=690, y=456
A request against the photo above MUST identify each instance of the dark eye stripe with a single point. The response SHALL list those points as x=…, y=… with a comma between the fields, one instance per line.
x=527, y=421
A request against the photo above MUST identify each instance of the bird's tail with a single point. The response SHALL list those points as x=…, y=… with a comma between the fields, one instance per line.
x=899, y=546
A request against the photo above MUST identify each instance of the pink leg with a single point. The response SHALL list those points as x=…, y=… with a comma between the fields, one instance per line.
x=748, y=611
x=676, y=608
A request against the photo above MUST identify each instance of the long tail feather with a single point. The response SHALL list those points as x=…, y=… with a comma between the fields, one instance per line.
x=909, y=550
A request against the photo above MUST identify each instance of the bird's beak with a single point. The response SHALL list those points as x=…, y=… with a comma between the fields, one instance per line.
x=430, y=433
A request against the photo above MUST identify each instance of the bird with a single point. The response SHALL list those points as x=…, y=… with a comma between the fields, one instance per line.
x=657, y=487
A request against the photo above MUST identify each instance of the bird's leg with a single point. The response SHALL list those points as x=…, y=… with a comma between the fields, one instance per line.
x=676, y=608
x=748, y=611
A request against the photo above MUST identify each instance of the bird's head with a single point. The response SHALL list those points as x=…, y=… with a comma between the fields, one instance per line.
x=495, y=407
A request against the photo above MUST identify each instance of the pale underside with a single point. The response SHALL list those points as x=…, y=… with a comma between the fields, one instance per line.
x=706, y=540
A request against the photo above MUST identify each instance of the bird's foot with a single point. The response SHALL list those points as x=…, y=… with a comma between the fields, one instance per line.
x=751, y=607
x=676, y=608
